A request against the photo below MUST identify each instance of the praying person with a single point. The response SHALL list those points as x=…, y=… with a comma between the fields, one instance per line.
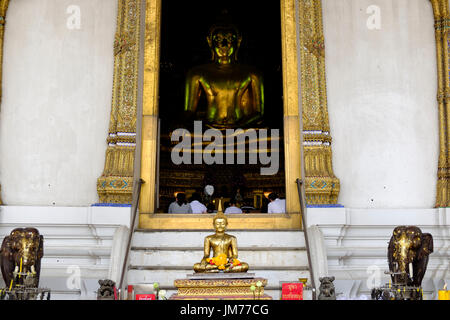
x=276, y=204
x=196, y=205
x=233, y=208
x=180, y=205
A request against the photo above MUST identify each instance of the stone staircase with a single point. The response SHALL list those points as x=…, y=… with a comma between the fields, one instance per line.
x=163, y=256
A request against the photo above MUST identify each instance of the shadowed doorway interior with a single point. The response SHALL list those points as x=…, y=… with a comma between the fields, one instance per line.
x=183, y=46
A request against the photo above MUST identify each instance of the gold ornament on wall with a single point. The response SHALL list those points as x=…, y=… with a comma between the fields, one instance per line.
x=3, y=9
x=116, y=183
x=442, y=25
x=322, y=186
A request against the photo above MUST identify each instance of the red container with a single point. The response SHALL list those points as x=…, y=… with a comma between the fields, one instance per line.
x=145, y=297
x=292, y=291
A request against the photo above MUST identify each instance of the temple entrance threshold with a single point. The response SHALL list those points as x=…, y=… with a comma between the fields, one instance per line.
x=285, y=221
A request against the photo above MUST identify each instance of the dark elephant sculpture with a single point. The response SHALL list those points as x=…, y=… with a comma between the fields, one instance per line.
x=409, y=245
x=23, y=248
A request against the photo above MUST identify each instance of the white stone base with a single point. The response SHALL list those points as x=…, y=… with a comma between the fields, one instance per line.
x=78, y=242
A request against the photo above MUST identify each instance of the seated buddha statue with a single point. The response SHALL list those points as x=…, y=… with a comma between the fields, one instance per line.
x=234, y=92
x=224, y=247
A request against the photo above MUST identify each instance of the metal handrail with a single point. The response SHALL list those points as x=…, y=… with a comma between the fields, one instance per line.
x=301, y=195
x=130, y=236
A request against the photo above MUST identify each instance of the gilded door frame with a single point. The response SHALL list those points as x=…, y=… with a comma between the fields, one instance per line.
x=3, y=10
x=292, y=133
x=442, y=25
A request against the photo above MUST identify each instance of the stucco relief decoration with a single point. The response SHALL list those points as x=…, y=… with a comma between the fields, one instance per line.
x=442, y=25
x=3, y=9
x=322, y=186
x=116, y=183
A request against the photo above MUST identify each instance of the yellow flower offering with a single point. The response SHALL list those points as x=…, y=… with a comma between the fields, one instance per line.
x=236, y=262
x=220, y=260
x=222, y=267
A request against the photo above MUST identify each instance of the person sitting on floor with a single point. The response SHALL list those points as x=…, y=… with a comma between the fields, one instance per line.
x=196, y=205
x=180, y=205
x=276, y=204
x=233, y=208
x=211, y=208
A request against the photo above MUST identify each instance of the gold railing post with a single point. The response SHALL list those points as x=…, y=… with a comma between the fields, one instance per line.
x=321, y=185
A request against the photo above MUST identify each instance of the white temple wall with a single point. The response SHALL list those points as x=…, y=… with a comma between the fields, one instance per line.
x=382, y=87
x=56, y=101
x=383, y=116
x=381, y=102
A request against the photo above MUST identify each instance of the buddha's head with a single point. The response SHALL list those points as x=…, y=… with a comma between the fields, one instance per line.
x=224, y=42
x=220, y=222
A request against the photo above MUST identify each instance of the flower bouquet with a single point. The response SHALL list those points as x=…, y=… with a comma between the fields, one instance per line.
x=223, y=262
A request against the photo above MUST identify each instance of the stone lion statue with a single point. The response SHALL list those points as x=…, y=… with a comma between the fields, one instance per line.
x=326, y=289
x=106, y=290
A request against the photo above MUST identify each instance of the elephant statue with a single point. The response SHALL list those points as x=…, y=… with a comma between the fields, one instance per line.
x=21, y=254
x=409, y=247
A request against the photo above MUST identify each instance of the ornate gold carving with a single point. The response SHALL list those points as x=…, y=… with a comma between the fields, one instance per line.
x=219, y=289
x=442, y=25
x=3, y=9
x=116, y=183
x=322, y=186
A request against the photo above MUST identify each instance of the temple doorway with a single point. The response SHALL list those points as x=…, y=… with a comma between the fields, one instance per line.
x=184, y=49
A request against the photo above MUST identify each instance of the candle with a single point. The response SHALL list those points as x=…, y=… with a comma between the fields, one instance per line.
x=444, y=295
x=411, y=270
x=20, y=271
x=130, y=292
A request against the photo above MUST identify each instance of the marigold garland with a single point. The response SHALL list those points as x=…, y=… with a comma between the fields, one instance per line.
x=221, y=261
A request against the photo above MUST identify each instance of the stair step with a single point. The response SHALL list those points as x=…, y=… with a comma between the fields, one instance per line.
x=201, y=249
x=166, y=255
x=166, y=277
x=274, y=293
x=194, y=238
x=189, y=268
x=252, y=257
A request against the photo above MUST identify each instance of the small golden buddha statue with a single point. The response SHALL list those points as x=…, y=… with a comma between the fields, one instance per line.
x=234, y=92
x=225, y=251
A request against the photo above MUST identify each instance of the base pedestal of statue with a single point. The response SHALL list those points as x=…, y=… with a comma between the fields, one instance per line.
x=220, y=286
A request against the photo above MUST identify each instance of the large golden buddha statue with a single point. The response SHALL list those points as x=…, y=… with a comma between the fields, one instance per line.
x=234, y=92
x=224, y=247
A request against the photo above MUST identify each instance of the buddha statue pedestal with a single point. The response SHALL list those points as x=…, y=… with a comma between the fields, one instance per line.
x=220, y=286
